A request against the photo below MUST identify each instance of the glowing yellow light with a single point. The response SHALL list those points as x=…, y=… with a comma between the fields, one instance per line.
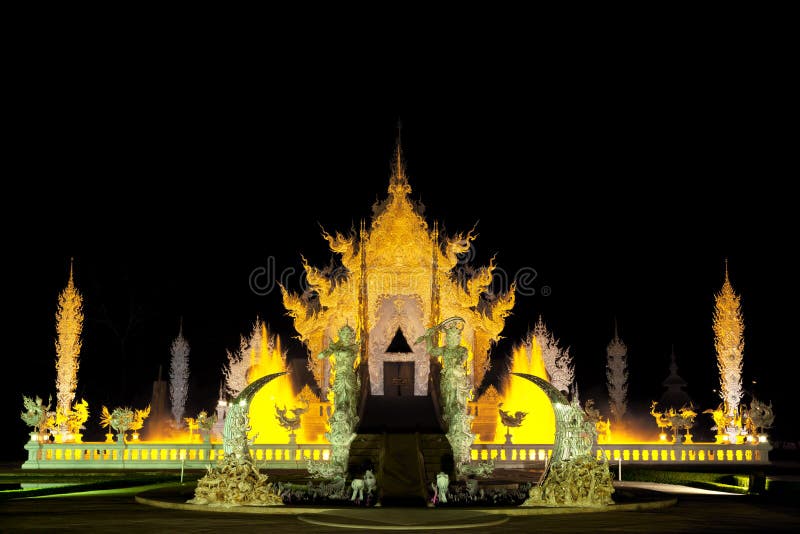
x=263, y=416
x=539, y=426
x=762, y=438
x=662, y=436
x=263, y=422
x=621, y=433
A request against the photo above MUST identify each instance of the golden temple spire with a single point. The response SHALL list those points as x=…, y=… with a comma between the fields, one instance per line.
x=398, y=184
x=729, y=342
x=435, y=310
x=726, y=271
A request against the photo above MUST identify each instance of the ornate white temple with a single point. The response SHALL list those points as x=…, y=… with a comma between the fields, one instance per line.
x=397, y=279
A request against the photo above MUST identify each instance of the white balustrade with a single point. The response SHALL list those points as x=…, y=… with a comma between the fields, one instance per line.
x=152, y=455
x=521, y=456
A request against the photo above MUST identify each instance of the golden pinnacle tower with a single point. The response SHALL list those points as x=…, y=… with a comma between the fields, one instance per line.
x=69, y=324
x=398, y=278
x=728, y=332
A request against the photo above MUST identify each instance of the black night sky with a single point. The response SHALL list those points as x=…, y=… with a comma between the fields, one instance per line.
x=624, y=193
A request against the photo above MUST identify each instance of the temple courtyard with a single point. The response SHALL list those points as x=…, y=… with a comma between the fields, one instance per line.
x=155, y=502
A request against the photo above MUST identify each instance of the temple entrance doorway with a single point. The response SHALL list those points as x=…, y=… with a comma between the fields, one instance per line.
x=398, y=379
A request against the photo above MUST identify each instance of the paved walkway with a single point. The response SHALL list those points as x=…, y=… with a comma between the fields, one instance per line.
x=117, y=511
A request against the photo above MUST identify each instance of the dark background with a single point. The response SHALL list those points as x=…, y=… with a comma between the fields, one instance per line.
x=623, y=183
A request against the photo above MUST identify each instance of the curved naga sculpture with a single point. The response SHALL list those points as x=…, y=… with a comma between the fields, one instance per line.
x=572, y=476
x=236, y=480
x=563, y=411
x=234, y=435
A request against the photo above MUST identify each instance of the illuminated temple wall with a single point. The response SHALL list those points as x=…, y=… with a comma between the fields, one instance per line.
x=269, y=358
x=539, y=425
x=315, y=421
x=484, y=412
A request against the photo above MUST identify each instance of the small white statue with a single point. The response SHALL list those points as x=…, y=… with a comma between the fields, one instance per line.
x=367, y=483
x=440, y=488
x=472, y=487
x=358, y=490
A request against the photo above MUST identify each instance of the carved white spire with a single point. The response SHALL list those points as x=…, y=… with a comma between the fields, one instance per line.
x=179, y=376
x=557, y=361
x=239, y=362
x=617, y=376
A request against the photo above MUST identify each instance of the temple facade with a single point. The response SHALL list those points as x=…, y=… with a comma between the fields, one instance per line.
x=397, y=277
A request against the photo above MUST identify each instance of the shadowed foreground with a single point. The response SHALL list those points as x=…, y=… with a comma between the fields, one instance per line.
x=117, y=511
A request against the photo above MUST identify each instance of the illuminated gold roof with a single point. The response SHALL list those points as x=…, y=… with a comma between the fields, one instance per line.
x=399, y=255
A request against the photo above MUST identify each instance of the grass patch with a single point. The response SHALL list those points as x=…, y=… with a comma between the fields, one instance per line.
x=730, y=482
x=75, y=482
x=84, y=482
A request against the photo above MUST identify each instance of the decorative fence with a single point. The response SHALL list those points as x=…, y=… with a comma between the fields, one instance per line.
x=522, y=456
x=150, y=455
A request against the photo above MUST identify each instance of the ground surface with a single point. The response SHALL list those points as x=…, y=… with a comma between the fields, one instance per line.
x=118, y=511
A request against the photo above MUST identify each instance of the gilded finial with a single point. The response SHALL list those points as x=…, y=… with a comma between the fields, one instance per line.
x=399, y=182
